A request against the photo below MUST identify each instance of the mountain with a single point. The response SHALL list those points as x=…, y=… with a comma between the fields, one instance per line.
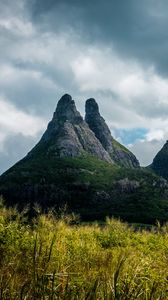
x=160, y=162
x=68, y=135
x=77, y=163
x=118, y=153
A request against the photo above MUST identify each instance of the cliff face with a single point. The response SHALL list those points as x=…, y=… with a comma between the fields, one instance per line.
x=160, y=162
x=118, y=153
x=68, y=135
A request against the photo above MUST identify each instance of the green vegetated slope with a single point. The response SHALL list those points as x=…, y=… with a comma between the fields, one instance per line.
x=121, y=155
x=51, y=259
x=91, y=187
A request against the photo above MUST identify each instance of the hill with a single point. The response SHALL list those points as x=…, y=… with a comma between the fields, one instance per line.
x=160, y=162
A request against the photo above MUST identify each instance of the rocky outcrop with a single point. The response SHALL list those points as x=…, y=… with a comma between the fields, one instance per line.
x=97, y=124
x=160, y=162
x=127, y=186
x=69, y=135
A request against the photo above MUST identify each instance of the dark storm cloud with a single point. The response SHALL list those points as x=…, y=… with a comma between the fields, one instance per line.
x=137, y=29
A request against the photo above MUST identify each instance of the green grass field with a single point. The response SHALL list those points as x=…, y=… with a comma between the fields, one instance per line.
x=55, y=258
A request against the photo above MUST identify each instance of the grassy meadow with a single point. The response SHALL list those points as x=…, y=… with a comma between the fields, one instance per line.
x=56, y=258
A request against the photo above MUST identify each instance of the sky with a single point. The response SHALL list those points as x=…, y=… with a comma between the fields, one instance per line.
x=113, y=50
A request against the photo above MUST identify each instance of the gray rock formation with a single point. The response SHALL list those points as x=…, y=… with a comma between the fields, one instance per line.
x=69, y=135
x=97, y=124
x=128, y=186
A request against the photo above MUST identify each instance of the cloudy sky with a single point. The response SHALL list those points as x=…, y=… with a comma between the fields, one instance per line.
x=113, y=50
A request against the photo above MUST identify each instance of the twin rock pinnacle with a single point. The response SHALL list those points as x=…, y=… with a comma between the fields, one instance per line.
x=68, y=134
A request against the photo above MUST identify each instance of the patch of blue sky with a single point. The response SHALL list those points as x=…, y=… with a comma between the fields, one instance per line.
x=130, y=136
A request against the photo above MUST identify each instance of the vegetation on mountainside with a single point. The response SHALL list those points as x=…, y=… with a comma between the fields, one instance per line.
x=90, y=187
x=53, y=259
x=118, y=146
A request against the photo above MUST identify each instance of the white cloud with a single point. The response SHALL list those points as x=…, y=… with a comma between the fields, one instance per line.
x=17, y=26
x=157, y=135
x=14, y=121
x=145, y=151
x=141, y=94
x=102, y=69
x=11, y=75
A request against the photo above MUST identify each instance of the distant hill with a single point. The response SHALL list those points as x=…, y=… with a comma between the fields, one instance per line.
x=160, y=162
x=79, y=164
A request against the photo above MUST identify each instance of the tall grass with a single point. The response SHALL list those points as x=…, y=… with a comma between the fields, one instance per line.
x=51, y=259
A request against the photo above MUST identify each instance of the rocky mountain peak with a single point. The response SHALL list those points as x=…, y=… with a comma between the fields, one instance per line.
x=69, y=135
x=91, y=107
x=97, y=124
x=66, y=110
